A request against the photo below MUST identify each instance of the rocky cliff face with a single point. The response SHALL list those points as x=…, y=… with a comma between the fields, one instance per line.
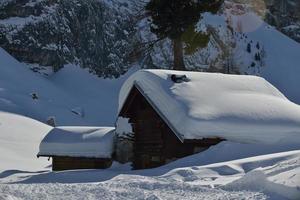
x=94, y=34
x=285, y=15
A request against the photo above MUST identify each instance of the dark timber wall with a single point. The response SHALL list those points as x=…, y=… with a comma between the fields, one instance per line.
x=155, y=143
x=68, y=163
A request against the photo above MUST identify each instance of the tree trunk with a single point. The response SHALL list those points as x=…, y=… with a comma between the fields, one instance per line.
x=178, y=55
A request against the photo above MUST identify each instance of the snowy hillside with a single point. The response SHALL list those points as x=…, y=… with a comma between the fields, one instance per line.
x=278, y=54
x=280, y=62
x=72, y=96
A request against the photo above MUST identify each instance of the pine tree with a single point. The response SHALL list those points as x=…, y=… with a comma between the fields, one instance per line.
x=257, y=45
x=172, y=18
x=249, y=48
x=257, y=57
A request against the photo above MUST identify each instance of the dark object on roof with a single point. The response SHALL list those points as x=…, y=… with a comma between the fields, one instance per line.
x=179, y=78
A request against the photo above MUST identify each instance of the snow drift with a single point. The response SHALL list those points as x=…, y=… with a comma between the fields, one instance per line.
x=19, y=137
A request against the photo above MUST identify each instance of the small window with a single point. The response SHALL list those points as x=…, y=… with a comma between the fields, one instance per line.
x=155, y=158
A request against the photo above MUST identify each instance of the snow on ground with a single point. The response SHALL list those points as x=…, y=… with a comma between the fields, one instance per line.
x=209, y=175
x=225, y=171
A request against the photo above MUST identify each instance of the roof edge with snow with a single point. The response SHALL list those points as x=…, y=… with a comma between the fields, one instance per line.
x=83, y=142
x=164, y=118
x=213, y=105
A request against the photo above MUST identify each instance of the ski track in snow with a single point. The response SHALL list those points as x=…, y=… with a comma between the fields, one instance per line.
x=122, y=188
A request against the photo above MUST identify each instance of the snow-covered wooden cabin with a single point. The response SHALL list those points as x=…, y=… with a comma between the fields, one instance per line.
x=78, y=147
x=175, y=114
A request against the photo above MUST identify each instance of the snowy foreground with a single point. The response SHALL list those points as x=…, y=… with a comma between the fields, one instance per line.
x=226, y=171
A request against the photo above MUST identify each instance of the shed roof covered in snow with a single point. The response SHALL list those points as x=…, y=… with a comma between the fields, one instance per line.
x=206, y=105
x=89, y=142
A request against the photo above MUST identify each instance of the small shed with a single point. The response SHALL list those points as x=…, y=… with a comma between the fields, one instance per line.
x=78, y=147
x=175, y=114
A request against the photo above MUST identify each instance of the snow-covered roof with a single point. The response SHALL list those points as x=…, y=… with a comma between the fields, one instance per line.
x=234, y=107
x=91, y=142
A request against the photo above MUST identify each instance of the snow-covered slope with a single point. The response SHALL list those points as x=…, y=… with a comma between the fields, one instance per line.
x=73, y=96
x=282, y=65
x=228, y=170
x=19, y=137
x=280, y=60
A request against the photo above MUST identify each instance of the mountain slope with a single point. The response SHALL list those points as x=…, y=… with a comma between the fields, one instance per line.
x=73, y=96
x=282, y=61
x=281, y=54
x=278, y=60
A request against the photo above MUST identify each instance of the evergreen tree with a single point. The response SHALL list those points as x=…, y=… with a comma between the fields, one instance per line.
x=257, y=57
x=257, y=45
x=249, y=48
x=173, y=18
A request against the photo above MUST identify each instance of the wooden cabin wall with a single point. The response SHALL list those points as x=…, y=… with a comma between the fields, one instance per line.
x=60, y=163
x=155, y=143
